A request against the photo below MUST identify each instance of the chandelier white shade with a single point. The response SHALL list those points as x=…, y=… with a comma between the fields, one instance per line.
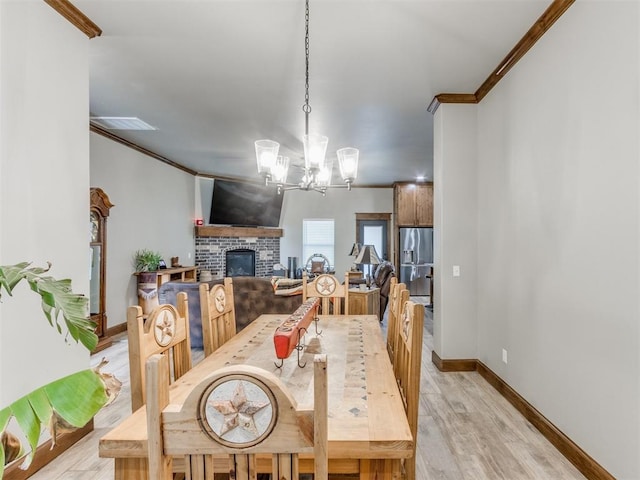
x=315, y=150
x=318, y=170
x=266, y=154
x=348, y=161
x=280, y=169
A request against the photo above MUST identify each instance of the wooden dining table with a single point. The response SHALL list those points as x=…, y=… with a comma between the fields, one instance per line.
x=368, y=429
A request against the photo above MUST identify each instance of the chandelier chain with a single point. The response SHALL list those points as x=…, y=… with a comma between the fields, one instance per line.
x=306, y=108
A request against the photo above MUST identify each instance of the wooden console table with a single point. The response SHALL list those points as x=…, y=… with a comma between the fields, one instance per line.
x=364, y=302
x=178, y=274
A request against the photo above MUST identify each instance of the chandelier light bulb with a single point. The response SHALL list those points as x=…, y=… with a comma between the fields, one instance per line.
x=348, y=161
x=323, y=177
x=315, y=149
x=280, y=169
x=315, y=156
x=266, y=154
x=267, y=160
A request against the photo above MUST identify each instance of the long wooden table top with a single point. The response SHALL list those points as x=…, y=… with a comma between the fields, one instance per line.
x=366, y=415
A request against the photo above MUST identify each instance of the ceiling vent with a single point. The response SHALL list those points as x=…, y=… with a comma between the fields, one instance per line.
x=121, y=123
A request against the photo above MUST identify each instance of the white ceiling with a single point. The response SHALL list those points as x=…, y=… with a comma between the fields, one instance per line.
x=215, y=75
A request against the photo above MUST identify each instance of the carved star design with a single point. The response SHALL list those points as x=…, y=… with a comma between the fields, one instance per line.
x=165, y=329
x=220, y=299
x=326, y=285
x=406, y=324
x=239, y=411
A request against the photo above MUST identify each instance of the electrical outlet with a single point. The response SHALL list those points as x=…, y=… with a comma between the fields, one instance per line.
x=504, y=355
x=456, y=270
x=189, y=255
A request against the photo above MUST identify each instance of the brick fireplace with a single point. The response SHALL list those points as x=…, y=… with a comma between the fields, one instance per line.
x=213, y=243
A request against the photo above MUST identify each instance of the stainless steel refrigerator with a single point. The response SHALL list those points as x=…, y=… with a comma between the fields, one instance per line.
x=416, y=259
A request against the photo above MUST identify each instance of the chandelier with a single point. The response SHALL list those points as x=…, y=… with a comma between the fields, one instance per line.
x=318, y=170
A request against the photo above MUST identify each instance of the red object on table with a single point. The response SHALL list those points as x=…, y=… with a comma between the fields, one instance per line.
x=287, y=335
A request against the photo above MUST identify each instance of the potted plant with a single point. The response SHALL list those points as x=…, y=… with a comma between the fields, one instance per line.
x=146, y=263
x=54, y=405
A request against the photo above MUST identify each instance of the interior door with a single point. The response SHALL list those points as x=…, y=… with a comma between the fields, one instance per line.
x=374, y=232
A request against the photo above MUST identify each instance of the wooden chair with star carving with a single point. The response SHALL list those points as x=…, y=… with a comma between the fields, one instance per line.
x=239, y=412
x=333, y=295
x=165, y=331
x=218, y=315
x=398, y=296
x=408, y=361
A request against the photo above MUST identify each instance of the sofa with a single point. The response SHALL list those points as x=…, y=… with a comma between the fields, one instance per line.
x=252, y=297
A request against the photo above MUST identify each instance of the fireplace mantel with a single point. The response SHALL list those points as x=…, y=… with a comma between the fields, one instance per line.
x=226, y=231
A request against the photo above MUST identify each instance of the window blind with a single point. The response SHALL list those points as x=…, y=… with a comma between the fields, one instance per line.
x=318, y=237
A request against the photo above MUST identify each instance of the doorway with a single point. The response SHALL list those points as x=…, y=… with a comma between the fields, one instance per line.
x=373, y=229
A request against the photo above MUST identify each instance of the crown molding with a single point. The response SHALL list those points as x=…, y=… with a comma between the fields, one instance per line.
x=553, y=12
x=537, y=30
x=127, y=143
x=76, y=17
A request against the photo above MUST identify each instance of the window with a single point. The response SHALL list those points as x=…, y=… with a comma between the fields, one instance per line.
x=318, y=237
x=374, y=235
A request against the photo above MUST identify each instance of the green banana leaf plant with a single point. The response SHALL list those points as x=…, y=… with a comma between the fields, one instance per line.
x=56, y=404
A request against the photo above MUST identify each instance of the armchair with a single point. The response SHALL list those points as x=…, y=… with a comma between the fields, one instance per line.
x=382, y=278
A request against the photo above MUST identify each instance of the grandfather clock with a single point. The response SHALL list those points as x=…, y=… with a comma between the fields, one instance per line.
x=98, y=213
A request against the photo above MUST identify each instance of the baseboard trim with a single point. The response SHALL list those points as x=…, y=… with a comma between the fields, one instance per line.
x=45, y=455
x=567, y=447
x=458, y=365
x=116, y=329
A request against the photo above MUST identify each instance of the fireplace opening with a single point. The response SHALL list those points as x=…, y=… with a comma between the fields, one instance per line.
x=240, y=263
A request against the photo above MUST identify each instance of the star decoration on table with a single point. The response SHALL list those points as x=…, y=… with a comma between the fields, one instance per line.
x=165, y=328
x=325, y=285
x=238, y=411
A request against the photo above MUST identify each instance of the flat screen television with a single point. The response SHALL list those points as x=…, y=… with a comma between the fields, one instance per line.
x=245, y=204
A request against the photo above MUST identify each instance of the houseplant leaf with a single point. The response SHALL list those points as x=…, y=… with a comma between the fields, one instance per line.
x=146, y=260
x=64, y=404
x=69, y=402
x=29, y=424
x=57, y=298
x=11, y=275
x=65, y=392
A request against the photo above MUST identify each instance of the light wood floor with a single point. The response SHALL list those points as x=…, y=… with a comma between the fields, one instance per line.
x=466, y=431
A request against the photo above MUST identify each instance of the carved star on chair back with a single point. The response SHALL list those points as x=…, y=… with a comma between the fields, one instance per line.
x=239, y=411
x=333, y=295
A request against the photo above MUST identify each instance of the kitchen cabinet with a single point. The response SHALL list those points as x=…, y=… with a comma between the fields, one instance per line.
x=413, y=204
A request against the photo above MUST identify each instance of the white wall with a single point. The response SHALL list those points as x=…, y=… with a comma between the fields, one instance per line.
x=558, y=222
x=204, y=197
x=339, y=204
x=154, y=209
x=44, y=184
x=455, y=232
